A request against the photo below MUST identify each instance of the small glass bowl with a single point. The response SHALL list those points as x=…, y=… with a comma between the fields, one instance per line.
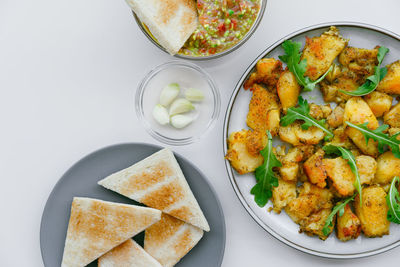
x=149, y=36
x=187, y=75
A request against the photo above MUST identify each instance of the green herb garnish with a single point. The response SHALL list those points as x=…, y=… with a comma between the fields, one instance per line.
x=392, y=200
x=351, y=160
x=303, y=113
x=372, y=81
x=379, y=136
x=338, y=208
x=298, y=67
x=265, y=177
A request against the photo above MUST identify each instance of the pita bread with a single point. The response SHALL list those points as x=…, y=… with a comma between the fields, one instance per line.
x=96, y=227
x=128, y=254
x=170, y=239
x=158, y=182
x=171, y=22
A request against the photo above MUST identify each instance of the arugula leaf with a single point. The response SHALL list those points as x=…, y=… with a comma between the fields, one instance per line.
x=351, y=160
x=265, y=177
x=303, y=113
x=372, y=81
x=379, y=136
x=338, y=208
x=298, y=67
x=392, y=200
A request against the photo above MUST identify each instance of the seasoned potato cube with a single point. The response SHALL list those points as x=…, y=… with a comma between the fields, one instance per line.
x=319, y=112
x=346, y=80
x=241, y=159
x=290, y=162
x=313, y=224
x=366, y=166
x=267, y=71
x=358, y=139
x=321, y=51
x=338, y=170
x=273, y=119
x=335, y=119
x=315, y=169
x=388, y=167
x=348, y=225
x=373, y=211
x=378, y=102
x=391, y=83
x=294, y=135
x=359, y=60
x=357, y=111
x=255, y=142
x=340, y=138
x=288, y=90
x=258, y=117
x=311, y=199
x=283, y=194
x=393, y=116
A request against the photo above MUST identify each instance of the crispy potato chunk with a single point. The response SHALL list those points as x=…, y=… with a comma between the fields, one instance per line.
x=378, y=102
x=373, y=211
x=335, y=119
x=338, y=170
x=243, y=160
x=357, y=111
x=388, y=167
x=391, y=83
x=348, y=225
x=315, y=169
x=366, y=166
x=263, y=111
x=290, y=162
x=288, y=90
x=267, y=71
x=294, y=135
x=283, y=194
x=314, y=224
x=359, y=60
x=346, y=80
x=311, y=199
x=255, y=142
x=320, y=111
x=393, y=116
x=358, y=139
x=340, y=138
x=321, y=51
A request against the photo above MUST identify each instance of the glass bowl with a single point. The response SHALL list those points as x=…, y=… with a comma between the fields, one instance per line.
x=146, y=32
x=187, y=75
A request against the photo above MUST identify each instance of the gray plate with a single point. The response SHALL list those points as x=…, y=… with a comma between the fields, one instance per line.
x=81, y=180
x=281, y=226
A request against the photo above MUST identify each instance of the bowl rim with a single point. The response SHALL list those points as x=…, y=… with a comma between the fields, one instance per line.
x=218, y=55
x=139, y=102
x=229, y=169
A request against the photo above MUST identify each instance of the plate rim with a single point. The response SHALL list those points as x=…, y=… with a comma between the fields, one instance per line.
x=218, y=202
x=225, y=135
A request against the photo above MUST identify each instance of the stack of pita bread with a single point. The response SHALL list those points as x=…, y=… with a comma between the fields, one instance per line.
x=173, y=221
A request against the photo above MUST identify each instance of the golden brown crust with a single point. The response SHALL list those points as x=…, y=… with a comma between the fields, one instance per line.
x=165, y=196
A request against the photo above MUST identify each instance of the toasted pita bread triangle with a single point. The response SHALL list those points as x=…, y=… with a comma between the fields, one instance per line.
x=128, y=254
x=158, y=182
x=96, y=227
x=170, y=239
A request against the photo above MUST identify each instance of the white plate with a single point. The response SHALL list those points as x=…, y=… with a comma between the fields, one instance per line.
x=281, y=226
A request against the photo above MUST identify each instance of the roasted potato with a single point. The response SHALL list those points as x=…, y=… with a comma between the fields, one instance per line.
x=358, y=139
x=313, y=224
x=338, y=170
x=319, y=112
x=263, y=110
x=346, y=80
x=315, y=169
x=335, y=119
x=359, y=60
x=393, y=116
x=390, y=84
x=283, y=194
x=288, y=90
x=373, y=211
x=378, y=102
x=321, y=51
x=293, y=134
x=311, y=199
x=340, y=138
x=255, y=142
x=268, y=71
x=357, y=111
x=290, y=162
x=388, y=166
x=366, y=166
x=242, y=160
x=348, y=225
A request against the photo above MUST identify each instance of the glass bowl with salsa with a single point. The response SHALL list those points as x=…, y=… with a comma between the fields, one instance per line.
x=224, y=25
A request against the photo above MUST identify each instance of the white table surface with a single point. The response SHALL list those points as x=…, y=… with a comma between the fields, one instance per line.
x=68, y=73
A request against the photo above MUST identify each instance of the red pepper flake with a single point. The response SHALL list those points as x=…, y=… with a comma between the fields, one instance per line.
x=221, y=28
x=212, y=51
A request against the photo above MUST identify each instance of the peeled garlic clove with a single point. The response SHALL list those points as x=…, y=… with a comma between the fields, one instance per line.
x=169, y=93
x=180, y=105
x=160, y=114
x=180, y=121
x=194, y=95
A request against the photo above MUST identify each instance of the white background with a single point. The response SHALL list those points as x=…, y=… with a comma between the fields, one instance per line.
x=68, y=73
